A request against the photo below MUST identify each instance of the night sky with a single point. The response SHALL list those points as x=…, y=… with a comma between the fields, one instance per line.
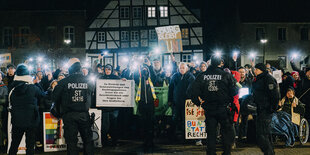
x=250, y=10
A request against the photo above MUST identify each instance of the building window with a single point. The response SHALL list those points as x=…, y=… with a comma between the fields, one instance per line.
x=151, y=12
x=282, y=34
x=163, y=11
x=51, y=35
x=124, y=12
x=153, y=35
x=304, y=34
x=7, y=37
x=186, y=58
x=69, y=33
x=260, y=33
x=134, y=35
x=101, y=36
x=137, y=12
x=184, y=33
x=124, y=36
x=24, y=34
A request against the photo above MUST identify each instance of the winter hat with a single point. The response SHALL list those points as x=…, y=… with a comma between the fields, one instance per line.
x=22, y=70
x=291, y=88
x=74, y=65
x=72, y=61
x=10, y=66
x=261, y=67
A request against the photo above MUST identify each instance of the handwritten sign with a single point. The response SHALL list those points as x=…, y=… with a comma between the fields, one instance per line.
x=195, y=127
x=53, y=134
x=114, y=93
x=169, y=38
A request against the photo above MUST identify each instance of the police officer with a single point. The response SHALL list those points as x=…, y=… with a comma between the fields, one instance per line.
x=216, y=89
x=266, y=96
x=73, y=95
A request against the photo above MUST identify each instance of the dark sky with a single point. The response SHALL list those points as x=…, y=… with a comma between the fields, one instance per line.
x=250, y=10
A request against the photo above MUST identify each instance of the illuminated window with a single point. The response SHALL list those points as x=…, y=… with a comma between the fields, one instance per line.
x=163, y=11
x=69, y=33
x=185, y=33
x=151, y=12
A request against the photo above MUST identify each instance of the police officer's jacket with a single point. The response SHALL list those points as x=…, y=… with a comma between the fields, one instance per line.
x=265, y=93
x=73, y=93
x=216, y=87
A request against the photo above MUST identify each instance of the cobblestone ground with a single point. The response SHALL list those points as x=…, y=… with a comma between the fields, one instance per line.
x=134, y=148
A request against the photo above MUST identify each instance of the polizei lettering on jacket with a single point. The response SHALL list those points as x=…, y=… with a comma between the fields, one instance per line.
x=77, y=86
x=78, y=91
x=212, y=77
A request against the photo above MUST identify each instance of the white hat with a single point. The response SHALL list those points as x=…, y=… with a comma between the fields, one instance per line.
x=72, y=61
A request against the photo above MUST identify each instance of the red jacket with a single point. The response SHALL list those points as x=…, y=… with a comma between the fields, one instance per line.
x=236, y=98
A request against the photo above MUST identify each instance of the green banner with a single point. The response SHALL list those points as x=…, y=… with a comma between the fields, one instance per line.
x=162, y=108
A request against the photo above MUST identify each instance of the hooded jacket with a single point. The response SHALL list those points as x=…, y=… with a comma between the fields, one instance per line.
x=24, y=101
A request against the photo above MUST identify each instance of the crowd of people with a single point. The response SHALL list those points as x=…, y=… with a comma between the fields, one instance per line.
x=208, y=84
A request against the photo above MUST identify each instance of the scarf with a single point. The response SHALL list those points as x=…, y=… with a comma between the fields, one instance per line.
x=138, y=96
x=26, y=78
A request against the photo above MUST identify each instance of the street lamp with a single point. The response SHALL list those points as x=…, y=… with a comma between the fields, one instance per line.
x=264, y=41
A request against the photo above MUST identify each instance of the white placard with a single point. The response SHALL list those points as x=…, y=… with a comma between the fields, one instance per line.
x=96, y=129
x=22, y=144
x=115, y=93
x=243, y=92
x=195, y=127
x=277, y=75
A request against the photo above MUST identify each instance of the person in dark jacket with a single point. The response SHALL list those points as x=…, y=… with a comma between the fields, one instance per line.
x=3, y=97
x=73, y=96
x=109, y=115
x=145, y=97
x=8, y=79
x=158, y=73
x=177, y=95
x=266, y=96
x=303, y=88
x=215, y=91
x=287, y=82
x=25, y=113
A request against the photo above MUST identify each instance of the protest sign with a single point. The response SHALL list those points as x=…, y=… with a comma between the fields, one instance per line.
x=115, y=93
x=169, y=38
x=53, y=134
x=277, y=75
x=195, y=127
x=96, y=129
